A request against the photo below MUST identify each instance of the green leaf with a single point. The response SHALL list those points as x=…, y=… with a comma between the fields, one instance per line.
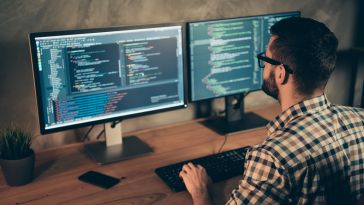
x=15, y=143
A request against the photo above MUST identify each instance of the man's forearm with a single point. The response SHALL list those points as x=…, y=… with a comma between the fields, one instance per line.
x=202, y=199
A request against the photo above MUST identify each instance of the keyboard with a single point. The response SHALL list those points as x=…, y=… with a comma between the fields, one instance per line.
x=219, y=167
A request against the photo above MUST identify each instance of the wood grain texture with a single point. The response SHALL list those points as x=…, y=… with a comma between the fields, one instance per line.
x=57, y=170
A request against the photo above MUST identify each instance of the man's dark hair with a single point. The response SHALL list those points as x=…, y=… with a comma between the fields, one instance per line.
x=309, y=48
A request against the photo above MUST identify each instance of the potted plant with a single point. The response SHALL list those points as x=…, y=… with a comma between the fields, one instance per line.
x=16, y=156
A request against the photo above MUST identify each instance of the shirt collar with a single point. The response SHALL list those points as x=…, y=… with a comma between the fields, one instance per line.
x=312, y=105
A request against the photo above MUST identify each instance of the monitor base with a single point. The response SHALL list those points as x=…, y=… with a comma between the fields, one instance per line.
x=132, y=146
x=249, y=121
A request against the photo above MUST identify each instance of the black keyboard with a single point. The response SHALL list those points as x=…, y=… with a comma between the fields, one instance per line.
x=219, y=167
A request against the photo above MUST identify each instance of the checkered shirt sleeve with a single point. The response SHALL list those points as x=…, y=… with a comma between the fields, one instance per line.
x=263, y=181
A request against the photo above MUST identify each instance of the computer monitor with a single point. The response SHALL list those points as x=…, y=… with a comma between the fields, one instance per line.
x=92, y=76
x=222, y=62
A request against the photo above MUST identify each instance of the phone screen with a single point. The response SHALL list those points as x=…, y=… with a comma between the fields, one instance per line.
x=99, y=179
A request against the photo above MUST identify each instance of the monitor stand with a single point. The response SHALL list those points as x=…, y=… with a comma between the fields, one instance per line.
x=235, y=120
x=116, y=148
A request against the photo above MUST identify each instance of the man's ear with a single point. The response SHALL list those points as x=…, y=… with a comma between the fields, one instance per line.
x=281, y=75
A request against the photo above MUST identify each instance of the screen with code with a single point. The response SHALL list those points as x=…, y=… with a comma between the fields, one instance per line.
x=222, y=54
x=92, y=75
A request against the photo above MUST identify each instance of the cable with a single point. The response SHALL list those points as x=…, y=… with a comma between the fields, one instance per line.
x=87, y=133
x=113, y=124
x=99, y=135
x=222, y=145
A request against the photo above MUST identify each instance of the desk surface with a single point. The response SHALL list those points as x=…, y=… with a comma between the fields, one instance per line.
x=57, y=170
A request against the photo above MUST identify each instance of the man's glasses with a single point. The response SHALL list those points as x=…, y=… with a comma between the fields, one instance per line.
x=263, y=58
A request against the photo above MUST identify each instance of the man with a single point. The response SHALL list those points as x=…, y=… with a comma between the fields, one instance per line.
x=314, y=152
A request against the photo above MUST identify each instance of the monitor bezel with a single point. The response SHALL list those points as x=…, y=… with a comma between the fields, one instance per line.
x=36, y=75
x=189, y=73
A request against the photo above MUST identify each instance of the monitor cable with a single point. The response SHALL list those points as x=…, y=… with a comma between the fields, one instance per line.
x=85, y=136
x=113, y=124
x=100, y=133
x=222, y=145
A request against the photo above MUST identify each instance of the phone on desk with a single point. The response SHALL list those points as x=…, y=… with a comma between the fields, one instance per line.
x=99, y=179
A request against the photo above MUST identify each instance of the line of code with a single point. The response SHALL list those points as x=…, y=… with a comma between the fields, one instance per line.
x=94, y=68
x=150, y=61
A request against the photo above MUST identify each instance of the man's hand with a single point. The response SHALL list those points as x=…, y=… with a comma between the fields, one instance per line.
x=197, y=183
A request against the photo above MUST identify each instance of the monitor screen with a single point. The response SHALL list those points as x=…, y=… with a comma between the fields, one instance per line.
x=91, y=76
x=222, y=54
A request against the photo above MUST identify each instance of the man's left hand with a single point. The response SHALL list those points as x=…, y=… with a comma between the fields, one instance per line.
x=197, y=183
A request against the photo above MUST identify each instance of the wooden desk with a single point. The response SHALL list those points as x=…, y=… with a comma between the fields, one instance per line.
x=57, y=170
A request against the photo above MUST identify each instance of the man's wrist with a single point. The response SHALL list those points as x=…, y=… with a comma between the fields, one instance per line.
x=201, y=198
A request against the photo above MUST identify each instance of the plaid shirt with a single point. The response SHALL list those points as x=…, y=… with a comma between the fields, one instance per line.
x=314, y=154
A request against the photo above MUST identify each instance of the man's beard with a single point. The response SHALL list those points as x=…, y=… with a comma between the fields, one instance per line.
x=270, y=87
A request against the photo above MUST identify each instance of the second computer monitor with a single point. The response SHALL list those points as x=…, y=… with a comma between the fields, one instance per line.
x=222, y=57
x=222, y=54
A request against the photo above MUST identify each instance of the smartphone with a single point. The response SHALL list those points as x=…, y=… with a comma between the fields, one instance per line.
x=99, y=179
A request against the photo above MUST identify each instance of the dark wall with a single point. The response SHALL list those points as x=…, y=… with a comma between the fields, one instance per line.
x=359, y=28
x=18, y=18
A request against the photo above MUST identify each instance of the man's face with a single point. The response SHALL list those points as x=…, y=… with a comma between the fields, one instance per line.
x=269, y=84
